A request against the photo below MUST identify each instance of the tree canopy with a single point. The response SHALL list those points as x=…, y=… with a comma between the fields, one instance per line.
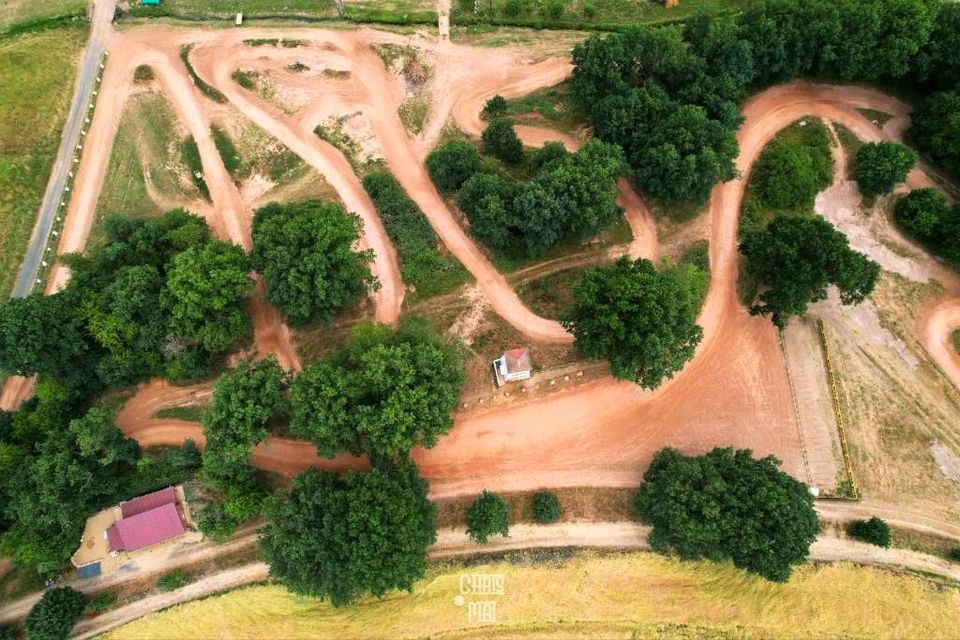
x=881, y=166
x=726, y=504
x=452, y=163
x=925, y=215
x=936, y=128
x=246, y=403
x=207, y=289
x=791, y=171
x=55, y=614
x=305, y=253
x=384, y=394
x=343, y=538
x=796, y=258
x=641, y=319
x=487, y=516
x=500, y=140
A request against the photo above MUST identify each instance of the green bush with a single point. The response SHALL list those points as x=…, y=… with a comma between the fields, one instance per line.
x=452, y=163
x=500, y=140
x=546, y=507
x=793, y=169
x=206, y=89
x=495, y=107
x=214, y=523
x=920, y=214
x=228, y=151
x=100, y=603
x=546, y=154
x=173, y=580
x=881, y=166
x=191, y=158
x=143, y=73
x=954, y=554
x=875, y=531
x=422, y=263
x=8, y=632
x=55, y=614
x=487, y=516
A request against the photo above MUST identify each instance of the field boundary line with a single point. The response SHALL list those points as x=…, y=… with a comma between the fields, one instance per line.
x=838, y=413
x=796, y=409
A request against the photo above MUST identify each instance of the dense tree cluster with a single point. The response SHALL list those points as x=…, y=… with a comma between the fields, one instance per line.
x=572, y=194
x=726, y=504
x=305, y=253
x=641, y=319
x=796, y=258
x=345, y=537
x=670, y=97
x=501, y=140
x=925, y=215
x=881, y=166
x=936, y=128
x=156, y=298
x=384, y=394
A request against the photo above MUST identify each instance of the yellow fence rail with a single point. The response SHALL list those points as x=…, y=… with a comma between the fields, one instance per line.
x=838, y=412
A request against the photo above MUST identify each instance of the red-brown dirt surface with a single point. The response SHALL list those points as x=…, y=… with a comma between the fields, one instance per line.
x=735, y=392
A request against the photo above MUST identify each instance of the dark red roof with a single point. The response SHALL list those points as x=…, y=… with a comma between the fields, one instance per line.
x=145, y=529
x=148, y=502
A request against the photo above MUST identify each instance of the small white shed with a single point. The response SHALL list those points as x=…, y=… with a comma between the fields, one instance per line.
x=513, y=365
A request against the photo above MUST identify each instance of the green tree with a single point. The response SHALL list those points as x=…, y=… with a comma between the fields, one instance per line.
x=920, y=213
x=55, y=614
x=546, y=154
x=305, y=253
x=546, y=507
x=883, y=165
x=500, y=140
x=495, y=107
x=487, y=516
x=487, y=200
x=726, y=504
x=640, y=319
x=937, y=63
x=789, y=174
x=875, y=531
x=936, y=128
x=246, y=404
x=343, y=538
x=795, y=259
x=206, y=293
x=386, y=393
x=452, y=163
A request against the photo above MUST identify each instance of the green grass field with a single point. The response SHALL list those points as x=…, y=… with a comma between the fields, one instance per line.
x=36, y=83
x=630, y=595
x=21, y=12
x=146, y=138
x=581, y=13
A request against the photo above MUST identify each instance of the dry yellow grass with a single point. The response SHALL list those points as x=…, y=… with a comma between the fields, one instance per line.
x=623, y=595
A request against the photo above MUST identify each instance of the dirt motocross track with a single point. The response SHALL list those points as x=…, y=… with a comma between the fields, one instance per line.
x=735, y=392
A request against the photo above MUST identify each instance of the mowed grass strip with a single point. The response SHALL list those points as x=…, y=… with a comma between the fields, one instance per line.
x=589, y=593
x=37, y=73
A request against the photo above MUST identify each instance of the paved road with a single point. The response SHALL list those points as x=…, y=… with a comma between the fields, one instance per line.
x=27, y=277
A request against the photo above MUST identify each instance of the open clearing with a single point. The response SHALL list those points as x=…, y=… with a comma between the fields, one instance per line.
x=548, y=594
x=36, y=81
x=13, y=12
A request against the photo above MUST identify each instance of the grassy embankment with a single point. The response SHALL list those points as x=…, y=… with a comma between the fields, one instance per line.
x=627, y=595
x=37, y=72
x=31, y=15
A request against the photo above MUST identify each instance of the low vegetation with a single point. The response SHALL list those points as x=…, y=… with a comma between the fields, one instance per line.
x=424, y=262
x=206, y=89
x=173, y=580
x=728, y=505
x=232, y=161
x=191, y=158
x=639, y=318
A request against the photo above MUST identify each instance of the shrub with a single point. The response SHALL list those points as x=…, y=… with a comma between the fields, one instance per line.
x=546, y=507
x=143, y=73
x=99, y=603
x=8, y=632
x=423, y=265
x=495, y=107
x=546, y=154
x=452, y=163
x=487, y=516
x=173, y=580
x=883, y=165
x=954, y=554
x=500, y=140
x=875, y=531
x=214, y=523
x=55, y=614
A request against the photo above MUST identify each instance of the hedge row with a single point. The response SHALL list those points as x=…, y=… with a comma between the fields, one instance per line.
x=206, y=89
